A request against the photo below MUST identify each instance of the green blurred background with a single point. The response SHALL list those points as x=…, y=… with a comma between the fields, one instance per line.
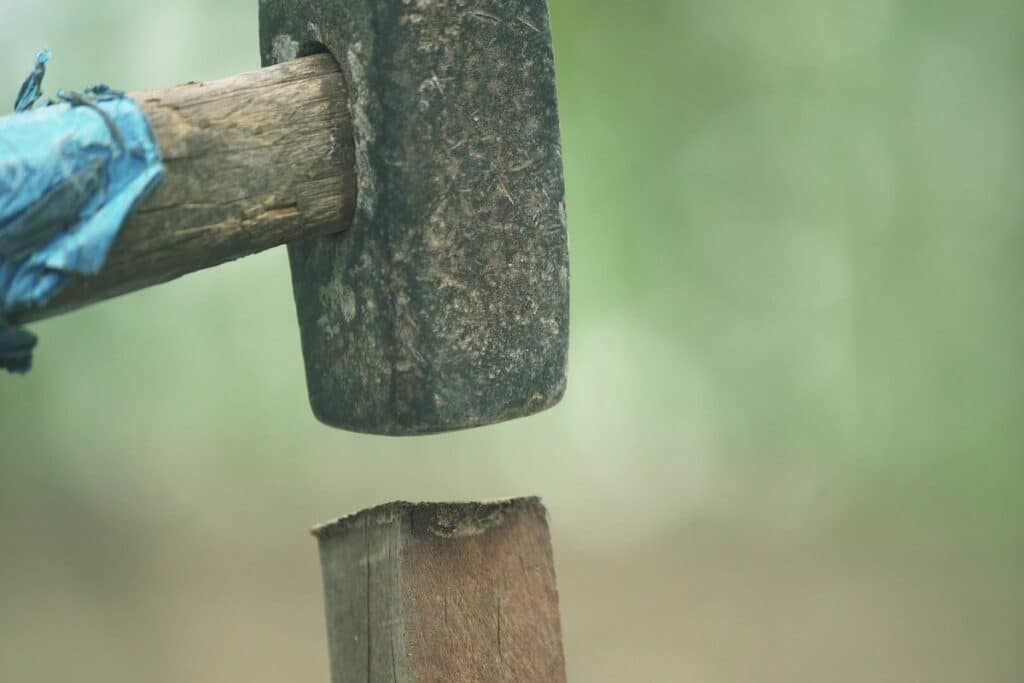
x=791, y=445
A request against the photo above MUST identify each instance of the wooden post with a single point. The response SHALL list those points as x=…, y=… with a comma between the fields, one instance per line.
x=442, y=593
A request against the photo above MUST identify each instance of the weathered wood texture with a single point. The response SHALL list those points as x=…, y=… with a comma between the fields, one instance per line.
x=252, y=162
x=442, y=593
x=458, y=259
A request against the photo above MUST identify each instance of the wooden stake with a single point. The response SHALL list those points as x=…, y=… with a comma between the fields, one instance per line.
x=445, y=593
x=253, y=162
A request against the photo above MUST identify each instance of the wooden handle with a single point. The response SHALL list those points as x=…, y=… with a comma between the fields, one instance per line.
x=253, y=162
x=457, y=593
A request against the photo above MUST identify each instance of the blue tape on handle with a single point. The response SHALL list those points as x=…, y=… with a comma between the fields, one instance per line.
x=70, y=174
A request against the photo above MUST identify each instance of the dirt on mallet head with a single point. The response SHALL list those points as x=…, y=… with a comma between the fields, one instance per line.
x=446, y=306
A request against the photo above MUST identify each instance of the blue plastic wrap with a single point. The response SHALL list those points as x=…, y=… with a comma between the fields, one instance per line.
x=70, y=174
x=32, y=88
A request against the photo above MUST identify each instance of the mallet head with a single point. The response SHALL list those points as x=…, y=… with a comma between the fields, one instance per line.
x=446, y=306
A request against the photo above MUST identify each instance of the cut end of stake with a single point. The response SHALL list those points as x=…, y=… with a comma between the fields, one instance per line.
x=445, y=520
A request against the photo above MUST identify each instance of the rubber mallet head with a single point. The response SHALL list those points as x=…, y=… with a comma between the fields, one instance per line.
x=446, y=306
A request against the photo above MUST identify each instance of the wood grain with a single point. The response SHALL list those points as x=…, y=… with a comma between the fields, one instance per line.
x=253, y=162
x=445, y=593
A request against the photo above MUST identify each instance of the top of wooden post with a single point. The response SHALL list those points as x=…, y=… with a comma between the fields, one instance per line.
x=446, y=520
x=445, y=592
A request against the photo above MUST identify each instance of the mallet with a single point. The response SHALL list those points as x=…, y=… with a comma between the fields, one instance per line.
x=419, y=190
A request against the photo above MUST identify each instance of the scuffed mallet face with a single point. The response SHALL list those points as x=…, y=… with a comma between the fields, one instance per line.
x=446, y=306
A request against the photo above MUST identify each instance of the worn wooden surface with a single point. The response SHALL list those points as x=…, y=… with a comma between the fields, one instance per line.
x=447, y=305
x=442, y=593
x=253, y=161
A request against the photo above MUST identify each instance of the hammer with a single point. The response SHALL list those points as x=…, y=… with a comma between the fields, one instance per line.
x=418, y=187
